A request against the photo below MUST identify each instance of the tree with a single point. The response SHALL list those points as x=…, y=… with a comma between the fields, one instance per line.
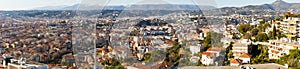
x=262, y=37
x=207, y=41
x=260, y=55
x=243, y=28
x=247, y=36
x=212, y=38
x=263, y=25
x=262, y=22
x=230, y=53
x=274, y=33
x=291, y=59
x=254, y=32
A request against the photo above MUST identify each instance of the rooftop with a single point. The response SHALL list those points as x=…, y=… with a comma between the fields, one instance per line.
x=236, y=61
x=245, y=55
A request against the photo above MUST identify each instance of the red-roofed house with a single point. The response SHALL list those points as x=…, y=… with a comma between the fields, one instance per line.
x=245, y=57
x=235, y=62
x=209, y=57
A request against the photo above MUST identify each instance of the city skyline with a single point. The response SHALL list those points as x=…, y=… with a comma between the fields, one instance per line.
x=27, y=5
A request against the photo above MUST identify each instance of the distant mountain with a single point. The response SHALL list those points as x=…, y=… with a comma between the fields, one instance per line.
x=277, y=5
x=50, y=8
x=92, y=7
x=281, y=5
x=132, y=7
x=169, y=7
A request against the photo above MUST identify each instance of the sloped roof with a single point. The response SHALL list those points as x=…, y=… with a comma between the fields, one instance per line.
x=210, y=54
x=235, y=61
x=245, y=55
x=214, y=49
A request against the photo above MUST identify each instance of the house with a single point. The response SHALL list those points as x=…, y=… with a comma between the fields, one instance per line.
x=209, y=56
x=26, y=66
x=245, y=58
x=230, y=31
x=68, y=59
x=196, y=49
x=21, y=64
x=235, y=62
x=240, y=47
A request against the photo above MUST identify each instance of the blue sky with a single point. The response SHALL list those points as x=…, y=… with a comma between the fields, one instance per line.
x=29, y=4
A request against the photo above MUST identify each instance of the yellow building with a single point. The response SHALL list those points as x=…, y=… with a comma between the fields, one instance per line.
x=290, y=26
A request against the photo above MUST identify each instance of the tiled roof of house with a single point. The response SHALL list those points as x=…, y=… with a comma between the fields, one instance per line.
x=245, y=55
x=235, y=61
x=214, y=49
x=208, y=53
x=275, y=23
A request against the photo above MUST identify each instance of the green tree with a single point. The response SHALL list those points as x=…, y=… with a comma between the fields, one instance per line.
x=263, y=26
x=291, y=59
x=247, y=36
x=262, y=22
x=260, y=55
x=207, y=41
x=173, y=55
x=254, y=32
x=230, y=53
x=274, y=33
x=243, y=28
x=263, y=37
x=212, y=38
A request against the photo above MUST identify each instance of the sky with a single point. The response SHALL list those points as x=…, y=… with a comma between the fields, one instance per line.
x=30, y=4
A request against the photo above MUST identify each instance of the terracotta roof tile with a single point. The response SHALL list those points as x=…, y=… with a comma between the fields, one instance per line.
x=207, y=53
x=236, y=61
x=214, y=49
x=245, y=55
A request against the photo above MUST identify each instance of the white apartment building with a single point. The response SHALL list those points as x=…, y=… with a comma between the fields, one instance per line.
x=290, y=26
x=279, y=48
x=240, y=47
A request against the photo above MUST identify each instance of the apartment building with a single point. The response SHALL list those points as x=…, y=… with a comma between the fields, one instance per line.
x=279, y=48
x=290, y=25
x=240, y=47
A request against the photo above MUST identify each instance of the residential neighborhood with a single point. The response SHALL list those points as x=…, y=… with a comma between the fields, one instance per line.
x=166, y=35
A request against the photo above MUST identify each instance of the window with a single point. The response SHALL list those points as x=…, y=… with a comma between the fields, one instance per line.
x=292, y=24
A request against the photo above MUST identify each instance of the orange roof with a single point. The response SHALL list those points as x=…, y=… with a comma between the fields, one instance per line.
x=205, y=30
x=275, y=23
x=181, y=51
x=245, y=55
x=196, y=34
x=214, y=49
x=207, y=53
x=273, y=51
x=236, y=61
x=296, y=47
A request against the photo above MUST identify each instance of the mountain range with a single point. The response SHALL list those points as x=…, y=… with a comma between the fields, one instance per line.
x=131, y=7
x=277, y=5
